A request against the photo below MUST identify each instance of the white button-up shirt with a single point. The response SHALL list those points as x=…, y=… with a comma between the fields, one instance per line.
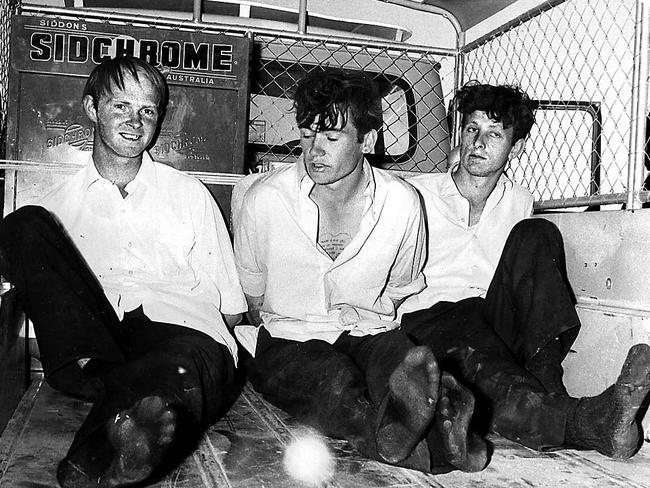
x=165, y=246
x=461, y=260
x=307, y=295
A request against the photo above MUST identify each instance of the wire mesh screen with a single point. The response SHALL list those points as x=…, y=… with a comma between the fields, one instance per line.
x=415, y=133
x=416, y=85
x=577, y=58
x=6, y=7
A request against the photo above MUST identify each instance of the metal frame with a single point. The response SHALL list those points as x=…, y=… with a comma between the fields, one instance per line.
x=594, y=110
x=216, y=27
x=368, y=46
x=632, y=197
x=639, y=106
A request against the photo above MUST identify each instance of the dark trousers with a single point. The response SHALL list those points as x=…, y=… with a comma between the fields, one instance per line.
x=335, y=388
x=131, y=359
x=509, y=346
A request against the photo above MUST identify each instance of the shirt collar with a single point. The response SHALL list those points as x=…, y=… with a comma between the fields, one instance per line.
x=449, y=187
x=146, y=174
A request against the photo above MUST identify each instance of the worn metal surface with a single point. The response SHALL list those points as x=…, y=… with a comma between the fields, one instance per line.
x=13, y=371
x=245, y=450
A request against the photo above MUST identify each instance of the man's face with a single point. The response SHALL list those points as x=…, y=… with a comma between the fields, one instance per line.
x=332, y=155
x=485, y=146
x=126, y=119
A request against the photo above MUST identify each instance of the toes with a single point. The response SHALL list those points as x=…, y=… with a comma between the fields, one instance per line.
x=455, y=392
x=420, y=366
x=150, y=407
x=444, y=406
x=167, y=426
x=140, y=436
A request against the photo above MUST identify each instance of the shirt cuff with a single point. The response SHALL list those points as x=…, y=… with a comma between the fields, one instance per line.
x=397, y=292
x=234, y=306
x=252, y=283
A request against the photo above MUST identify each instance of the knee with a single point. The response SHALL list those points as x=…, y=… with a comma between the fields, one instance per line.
x=200, y=353
x=24, y=219
x=536, y=230
x=343, y=378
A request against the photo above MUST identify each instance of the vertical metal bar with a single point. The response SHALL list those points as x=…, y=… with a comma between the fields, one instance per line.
x=459, y=74
x=197, y=12
x=302, y=17
x=639, y=105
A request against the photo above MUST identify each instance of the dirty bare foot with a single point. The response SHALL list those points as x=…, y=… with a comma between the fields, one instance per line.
x=140, y=436
x=409, y=407
x=609, y=422
x=125, y=451
x=463, y=450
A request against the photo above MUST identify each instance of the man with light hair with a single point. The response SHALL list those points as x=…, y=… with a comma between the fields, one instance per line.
x=131, y=291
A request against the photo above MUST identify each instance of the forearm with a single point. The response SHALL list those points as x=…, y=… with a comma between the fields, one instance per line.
x=254, y=307
x=232, y=320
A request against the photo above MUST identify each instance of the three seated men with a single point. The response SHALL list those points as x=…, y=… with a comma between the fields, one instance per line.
x=132, y=290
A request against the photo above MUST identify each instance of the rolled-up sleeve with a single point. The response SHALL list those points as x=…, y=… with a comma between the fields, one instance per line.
x=407, y=276
x=247, y=235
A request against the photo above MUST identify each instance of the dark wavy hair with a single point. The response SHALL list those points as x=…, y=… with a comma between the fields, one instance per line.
x=111, y=73
x=506, y=104
x=325, y=95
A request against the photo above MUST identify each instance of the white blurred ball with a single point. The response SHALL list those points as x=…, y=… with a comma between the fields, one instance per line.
x=308, y=459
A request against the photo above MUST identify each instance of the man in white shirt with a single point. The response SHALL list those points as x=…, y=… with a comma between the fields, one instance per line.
x=131, y=293
x=326, y=249
x=498, y=310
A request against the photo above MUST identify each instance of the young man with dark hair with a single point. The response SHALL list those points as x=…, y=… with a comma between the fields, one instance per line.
x=131, y=293
x=326, y=250
x=498, y=310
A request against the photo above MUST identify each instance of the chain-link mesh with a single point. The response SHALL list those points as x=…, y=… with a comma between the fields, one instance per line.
x=6, y=10
x=577, y=58
x=415, y=135
x=416, y=83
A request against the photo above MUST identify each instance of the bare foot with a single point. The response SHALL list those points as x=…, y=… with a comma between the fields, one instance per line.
x=463, y=449
x=409, y=407
x=126, y=451
x=140, y=436
x=609, y=422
